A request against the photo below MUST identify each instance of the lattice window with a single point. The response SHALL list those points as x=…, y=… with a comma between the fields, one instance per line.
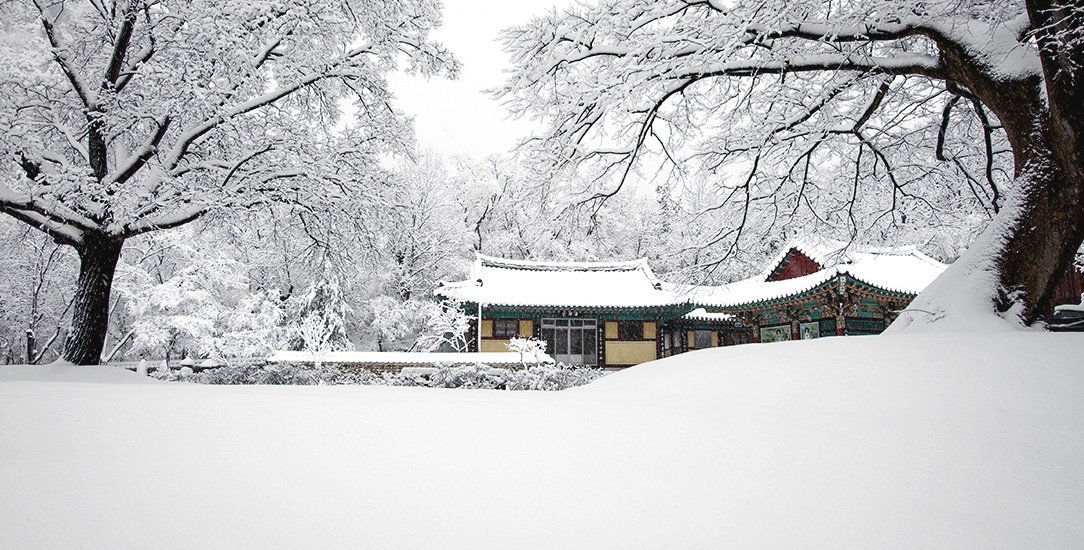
x=630, y=330
x=505, y=329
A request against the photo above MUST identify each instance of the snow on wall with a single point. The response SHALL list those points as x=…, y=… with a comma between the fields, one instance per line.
x=408, y=358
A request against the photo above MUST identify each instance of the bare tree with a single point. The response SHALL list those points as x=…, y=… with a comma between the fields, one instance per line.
x=130, y=116
x=785, y=99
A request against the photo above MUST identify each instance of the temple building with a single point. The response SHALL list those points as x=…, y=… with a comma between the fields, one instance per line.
x=618, y=314
x=604, y=314
x=815, y=289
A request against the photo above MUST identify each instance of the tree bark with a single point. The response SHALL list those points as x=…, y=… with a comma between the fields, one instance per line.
x=1046, y=220
x=98, y=256
x=1047, y=231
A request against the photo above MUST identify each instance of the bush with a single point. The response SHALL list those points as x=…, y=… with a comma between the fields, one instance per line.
x=478, y=376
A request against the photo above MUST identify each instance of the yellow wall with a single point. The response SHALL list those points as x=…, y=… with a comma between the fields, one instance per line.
x=526, y=328
x=690, y=339
x=494, y=345
x=714, y=338
x=649, y=330
x=629, y=353
x=487, y=328
x=611, y=330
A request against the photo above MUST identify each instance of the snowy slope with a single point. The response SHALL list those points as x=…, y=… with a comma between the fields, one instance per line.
x=912, y=441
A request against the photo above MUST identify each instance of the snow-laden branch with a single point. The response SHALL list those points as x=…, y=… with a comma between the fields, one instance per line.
x=194, y=133
x=51, y=210
x=139, y=158
x=120, y=46
x=163, y=221
x=1003, y=50
x=60, y=232
x=80, y=88
x=899, y=64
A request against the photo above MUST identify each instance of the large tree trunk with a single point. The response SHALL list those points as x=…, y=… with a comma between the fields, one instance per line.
x=1046, y=233
x=1034, y=238
x=1049, y=153
x=1052, y=227
x=90, y=309
x=1014, y=267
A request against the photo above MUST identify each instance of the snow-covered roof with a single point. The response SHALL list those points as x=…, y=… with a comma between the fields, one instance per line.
x=701, y=314
x=408, y=358
x=496, y=281
x=902, y=269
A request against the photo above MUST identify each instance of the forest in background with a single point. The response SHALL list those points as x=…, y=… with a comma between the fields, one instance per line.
x=237, y=178
x=240, y=284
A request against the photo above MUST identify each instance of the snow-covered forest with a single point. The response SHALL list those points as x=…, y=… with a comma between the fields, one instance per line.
x=240, y=284
x=235, y=185
x=146, y=219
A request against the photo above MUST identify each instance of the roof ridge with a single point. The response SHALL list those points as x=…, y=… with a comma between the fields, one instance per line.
x=538, y=265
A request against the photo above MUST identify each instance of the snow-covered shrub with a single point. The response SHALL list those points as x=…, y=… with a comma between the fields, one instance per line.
x=183, y=295
x=530, y=349
x=259, y=373
x=478, y=376
x=447, y=326
x=550, y=377
x=320, y=322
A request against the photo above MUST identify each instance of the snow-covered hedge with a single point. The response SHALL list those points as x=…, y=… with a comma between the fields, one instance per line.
x=479, y=376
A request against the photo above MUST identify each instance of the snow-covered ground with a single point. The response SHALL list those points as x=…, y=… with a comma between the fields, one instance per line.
x=906, y=441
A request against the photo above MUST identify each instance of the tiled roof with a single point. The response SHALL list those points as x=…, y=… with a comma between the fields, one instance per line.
x=496, y=281
x=903, y=269
x=632, y=284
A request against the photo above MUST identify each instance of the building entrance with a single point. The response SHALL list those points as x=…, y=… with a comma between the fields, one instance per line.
x=571, y=341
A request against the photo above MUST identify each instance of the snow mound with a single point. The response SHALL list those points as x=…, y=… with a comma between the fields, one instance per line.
x=66, y=372
x=959, y=440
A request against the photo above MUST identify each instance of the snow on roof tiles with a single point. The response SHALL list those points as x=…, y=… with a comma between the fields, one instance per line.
x=902, y=269
x=701, y=314
x=496, y=281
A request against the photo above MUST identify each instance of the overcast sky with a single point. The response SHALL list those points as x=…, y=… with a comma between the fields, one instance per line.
x=456, y=117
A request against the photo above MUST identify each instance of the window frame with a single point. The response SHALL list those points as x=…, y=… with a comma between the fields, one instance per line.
x=587, y=334
x=697, y=334
x=622, y=328
x=503, y=334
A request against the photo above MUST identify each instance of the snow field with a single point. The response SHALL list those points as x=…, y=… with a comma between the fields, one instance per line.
x=905, y=441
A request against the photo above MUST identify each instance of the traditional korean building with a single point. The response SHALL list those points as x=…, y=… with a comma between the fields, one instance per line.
x=605, y=314
x=818, y=288
x=618, y=314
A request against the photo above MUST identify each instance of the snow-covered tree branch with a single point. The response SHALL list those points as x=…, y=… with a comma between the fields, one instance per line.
x=131, y=116
x=844, y=115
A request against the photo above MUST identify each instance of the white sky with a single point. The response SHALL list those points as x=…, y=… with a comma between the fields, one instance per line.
x=456, y=117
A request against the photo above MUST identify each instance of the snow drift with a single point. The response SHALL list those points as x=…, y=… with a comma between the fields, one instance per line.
x=906, y=441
